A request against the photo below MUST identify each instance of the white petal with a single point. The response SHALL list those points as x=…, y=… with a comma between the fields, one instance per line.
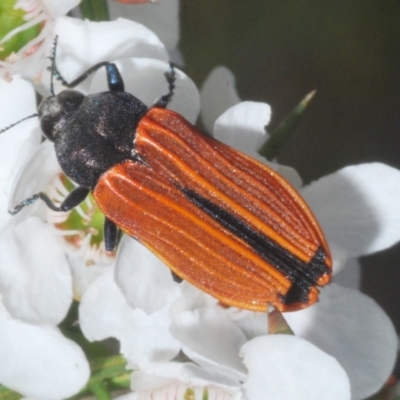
x=180, y=391
x=358, y=208
x=206, y=375
x=144, y=279
x=176, y=57
x=152, y=375
x=156, y=375
x=351, y=276
x=83, y=275
x=130, y=396
x=251, y=323
x=162, y=18
x=57, y=8
x=39, y=362
x=191, y=298
x=145, y=79
x=18, y=98
x=217, y=95
x=243, y=126
x=105, y=313
x=339, y=259
x=287, y=367
x=34, y=177
x=289, y=173
x=35, y=279
x=209, y=338
x=82, y=44
x=356, y=331
x=239, y=124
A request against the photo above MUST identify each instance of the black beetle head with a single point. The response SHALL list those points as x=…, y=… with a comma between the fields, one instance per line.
x=54, y=109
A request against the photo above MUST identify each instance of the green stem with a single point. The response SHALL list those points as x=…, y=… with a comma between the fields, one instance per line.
x=95, y=10
x=100, y=391
x=108, y=374
x=277, y=323
x=271, y=148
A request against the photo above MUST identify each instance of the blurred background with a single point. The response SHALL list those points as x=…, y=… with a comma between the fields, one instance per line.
x=348, y=51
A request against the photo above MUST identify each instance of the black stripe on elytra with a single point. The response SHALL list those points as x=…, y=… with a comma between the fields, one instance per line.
x=302, y=275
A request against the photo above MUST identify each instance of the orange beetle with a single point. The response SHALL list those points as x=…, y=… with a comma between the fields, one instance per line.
x=219, y=219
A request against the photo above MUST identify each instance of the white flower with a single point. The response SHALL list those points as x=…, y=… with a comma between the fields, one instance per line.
x=217, y=95
x=358, y=219
x=153, y=317
x=213, y=338
x=30, y=60
x=279, y=367
x=344, y=324
x=38, y=361
x=104, y=312
x=40, y=271
x=161, y=16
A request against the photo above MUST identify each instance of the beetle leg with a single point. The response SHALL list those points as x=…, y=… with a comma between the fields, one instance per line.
x=112, y=235
x=170, y=76
x=176, y=278
x=114, y=79
x=71, y=201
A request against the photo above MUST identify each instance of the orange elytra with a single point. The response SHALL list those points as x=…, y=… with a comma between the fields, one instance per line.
x=219, y=219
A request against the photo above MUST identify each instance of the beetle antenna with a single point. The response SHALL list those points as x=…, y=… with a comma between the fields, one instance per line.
x=55, y=73
x=53, y=67
x=170, y=76
x=16, y=123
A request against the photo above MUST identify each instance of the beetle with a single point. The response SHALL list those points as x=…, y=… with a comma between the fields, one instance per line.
x=219, y=219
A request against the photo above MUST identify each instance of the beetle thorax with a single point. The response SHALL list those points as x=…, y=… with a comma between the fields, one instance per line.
x=91, y=133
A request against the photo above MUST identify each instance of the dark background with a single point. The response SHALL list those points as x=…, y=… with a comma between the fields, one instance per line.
x=281, y=50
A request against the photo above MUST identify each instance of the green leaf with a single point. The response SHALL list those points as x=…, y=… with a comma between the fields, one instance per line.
x=7, y=394
x=95, y=10
x=107, y=368
x=271, y=148
x=10, y=19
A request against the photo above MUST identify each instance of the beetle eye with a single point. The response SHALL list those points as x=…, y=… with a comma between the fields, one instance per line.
x=47, y=125
x=70, y=100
